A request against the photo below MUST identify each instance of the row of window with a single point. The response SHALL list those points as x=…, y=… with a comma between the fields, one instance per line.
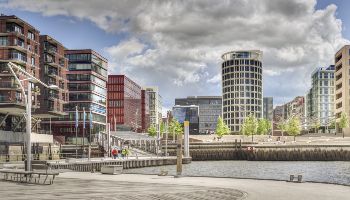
x=13, y=27
x=242, y=95
x=236, y=69
x=87, y=97
x=241, y=62
x=242, y=88
x=86, y=77
x=87, y=66
x=241, y=101
x=241, y=75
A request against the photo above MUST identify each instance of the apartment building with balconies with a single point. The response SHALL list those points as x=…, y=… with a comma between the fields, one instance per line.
x=19, y=44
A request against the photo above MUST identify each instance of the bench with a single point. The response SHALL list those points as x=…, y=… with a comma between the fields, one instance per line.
x=44, y=178
x=112, y=169
x=296, y=179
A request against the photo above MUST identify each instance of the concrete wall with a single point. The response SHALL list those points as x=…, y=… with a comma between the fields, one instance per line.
x=19, y=137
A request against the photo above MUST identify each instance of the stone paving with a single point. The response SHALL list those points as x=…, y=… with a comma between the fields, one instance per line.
x=86, y=185
x=67, y=188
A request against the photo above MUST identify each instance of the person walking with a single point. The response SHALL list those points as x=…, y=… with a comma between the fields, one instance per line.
x=114, y=153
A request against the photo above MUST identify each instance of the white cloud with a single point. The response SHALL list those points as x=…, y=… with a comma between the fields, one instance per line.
x=177, y=44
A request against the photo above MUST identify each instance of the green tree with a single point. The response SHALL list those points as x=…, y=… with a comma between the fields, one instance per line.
x=222, y=128
x=343, y=122
x=250, y=126
x=175, y=128
x=264, y=126
x=282, y=125
x=152, y=131
x=293, y=126
x=316, y=125
x=162, y=129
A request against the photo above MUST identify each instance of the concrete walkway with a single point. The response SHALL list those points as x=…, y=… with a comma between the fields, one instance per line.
x=80, y=185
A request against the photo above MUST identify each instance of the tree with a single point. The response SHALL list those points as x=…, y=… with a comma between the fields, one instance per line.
x=264, y=126
x=250, y=126
x=152, y=131
x=221, y=128
x=175, y=128
x=343, y=122
x=282, y=125
x=316, y=125
x=162, y=129
x=293, y=126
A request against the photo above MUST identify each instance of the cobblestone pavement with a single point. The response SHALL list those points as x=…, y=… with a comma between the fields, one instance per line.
x=68, y=188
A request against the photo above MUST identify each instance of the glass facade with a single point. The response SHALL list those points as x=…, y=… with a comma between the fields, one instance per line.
x=210, y=108
x=87, y=90
x=321, y=96
x=188, y=113
x=241, y=87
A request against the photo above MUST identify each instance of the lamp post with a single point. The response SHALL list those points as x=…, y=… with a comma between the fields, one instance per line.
x=28, y=100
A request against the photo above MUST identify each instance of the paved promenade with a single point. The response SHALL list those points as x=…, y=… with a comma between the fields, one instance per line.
x=73, y=185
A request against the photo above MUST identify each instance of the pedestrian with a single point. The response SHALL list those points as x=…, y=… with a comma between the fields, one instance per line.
x=123, y=153
x=114, y=153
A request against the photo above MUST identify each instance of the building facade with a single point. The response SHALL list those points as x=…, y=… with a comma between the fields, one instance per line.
x=145, y=118
x=268, y=108
x=87, y=79
x=188, y=113
x=210, y=108
x=241, y=87
x=124, y=104
x=155, y=106
x=19, y=44
x=53, y=70
x=342, y=79
x=320, y=98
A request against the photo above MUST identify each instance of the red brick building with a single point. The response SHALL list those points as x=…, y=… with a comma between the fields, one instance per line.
x=145, y=117
x=19, y=44
x=123, y=104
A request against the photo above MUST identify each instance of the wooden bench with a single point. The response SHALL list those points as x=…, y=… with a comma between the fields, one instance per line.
x=112, y=169
x=44, y=178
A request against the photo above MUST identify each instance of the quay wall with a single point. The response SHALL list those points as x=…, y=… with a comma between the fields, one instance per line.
x=90, y=166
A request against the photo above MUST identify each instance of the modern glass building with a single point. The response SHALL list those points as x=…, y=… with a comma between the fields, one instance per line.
x=268, y=108
x=210, y=108
x=188, y=113
x=87, y=78
x=320, y=98
x=242, y=88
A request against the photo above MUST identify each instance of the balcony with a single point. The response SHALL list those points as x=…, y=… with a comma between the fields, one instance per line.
x=8, y=85
x=18, y=57
x=52, y=72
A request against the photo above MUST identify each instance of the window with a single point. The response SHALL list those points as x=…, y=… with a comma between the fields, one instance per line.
x=3, y=41
x=30, y=35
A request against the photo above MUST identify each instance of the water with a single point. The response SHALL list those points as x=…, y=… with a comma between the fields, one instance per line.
x=326, y=172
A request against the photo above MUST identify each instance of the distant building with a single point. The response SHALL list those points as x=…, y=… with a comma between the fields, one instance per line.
x=188, y=113
x=124, y=104
x=320, y=98
x=296, y=107
x=241, y=87
x=210, y=108
x=268, y=108
x=155, y=106
x=278, y=113
x=145, y=115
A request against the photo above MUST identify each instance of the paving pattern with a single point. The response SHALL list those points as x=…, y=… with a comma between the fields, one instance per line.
x=68, y=188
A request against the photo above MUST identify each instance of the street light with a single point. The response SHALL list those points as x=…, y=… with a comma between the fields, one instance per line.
x=28, y=101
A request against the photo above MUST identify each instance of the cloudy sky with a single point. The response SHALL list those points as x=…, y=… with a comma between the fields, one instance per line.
x=177, y=45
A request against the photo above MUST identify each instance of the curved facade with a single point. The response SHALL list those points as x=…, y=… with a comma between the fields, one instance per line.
x=241, y=86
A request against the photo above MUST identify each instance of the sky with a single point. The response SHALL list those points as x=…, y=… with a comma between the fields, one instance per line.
x=177, y=45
